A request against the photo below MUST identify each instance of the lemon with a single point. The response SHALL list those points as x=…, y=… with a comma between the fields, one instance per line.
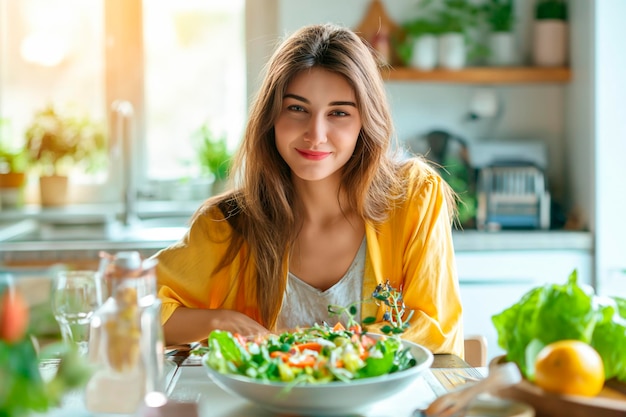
x=569, y=367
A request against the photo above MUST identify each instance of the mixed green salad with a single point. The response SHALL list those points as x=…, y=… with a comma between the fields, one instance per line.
x=554, y=312
x=315, y=355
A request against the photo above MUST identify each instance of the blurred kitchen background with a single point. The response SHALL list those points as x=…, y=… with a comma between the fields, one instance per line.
x=137, y=106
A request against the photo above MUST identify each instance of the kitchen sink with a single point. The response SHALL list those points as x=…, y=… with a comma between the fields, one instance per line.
x=157, y=228
x=152, y=229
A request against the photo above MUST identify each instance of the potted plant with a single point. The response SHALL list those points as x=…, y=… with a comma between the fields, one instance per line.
x=500, y=17
x=12, y=176
x=550, y=33
x=418, y=49
x=58, y=142
x=214, y=156
x=457, y=22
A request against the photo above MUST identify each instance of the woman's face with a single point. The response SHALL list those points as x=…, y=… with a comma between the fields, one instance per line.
x=319, y=124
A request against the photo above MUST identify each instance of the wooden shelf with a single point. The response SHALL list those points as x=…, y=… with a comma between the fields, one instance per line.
x=482, y=75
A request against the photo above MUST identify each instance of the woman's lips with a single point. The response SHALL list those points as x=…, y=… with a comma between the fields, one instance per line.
x=313, y=155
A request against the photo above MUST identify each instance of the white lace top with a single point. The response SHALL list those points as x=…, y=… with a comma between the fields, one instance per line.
x=304, y=305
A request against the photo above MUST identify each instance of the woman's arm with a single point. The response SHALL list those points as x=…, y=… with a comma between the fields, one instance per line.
x=417, y=257
x=196, y=297
x=187, y=325
x=431, y=285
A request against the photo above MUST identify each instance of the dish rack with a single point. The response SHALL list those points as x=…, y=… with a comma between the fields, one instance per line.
x=512, y=197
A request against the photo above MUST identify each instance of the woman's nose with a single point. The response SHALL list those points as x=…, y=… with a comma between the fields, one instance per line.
x=316, y=130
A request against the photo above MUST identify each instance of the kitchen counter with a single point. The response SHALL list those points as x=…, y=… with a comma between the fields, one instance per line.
x=518, y=240
x=81, y=231
x=101, y=212
x=150, y=240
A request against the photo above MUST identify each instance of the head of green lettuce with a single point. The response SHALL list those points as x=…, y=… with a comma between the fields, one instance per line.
x=554, y=312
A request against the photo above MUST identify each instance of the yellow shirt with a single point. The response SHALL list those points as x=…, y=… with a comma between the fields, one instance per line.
x=412, y=249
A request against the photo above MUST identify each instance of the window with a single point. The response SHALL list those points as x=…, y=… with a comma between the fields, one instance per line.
x=180, y=64
x=195, y=74
x=50, y=52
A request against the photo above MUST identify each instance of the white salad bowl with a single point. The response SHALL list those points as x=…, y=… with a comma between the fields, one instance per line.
x=325, y=399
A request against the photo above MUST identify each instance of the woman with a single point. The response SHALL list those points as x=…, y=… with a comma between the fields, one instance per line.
x=322, y=213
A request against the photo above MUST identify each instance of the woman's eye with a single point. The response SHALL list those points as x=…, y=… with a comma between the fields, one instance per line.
x=295, y=107
x=339, y=113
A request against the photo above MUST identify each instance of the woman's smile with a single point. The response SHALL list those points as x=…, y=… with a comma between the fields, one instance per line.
x=313, y=155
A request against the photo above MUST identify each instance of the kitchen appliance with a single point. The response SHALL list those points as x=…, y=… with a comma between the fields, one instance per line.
x=511, y=186
x=512, y=197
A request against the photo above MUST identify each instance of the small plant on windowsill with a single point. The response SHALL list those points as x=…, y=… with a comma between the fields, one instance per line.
x=12, y=160
x=12, y=175
x=59, y=141
x=214, y=156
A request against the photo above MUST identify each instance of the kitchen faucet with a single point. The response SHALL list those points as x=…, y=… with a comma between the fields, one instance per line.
x=123, y=118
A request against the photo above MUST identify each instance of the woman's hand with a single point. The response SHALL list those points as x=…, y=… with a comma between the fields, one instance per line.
x=187, y=325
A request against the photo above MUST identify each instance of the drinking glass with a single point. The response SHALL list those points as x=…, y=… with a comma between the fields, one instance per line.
x=75, y=297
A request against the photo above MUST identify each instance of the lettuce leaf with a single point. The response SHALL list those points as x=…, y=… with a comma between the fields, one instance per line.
x=381, y=363
x=544, y=315
x=224, y=351
x=609, y=336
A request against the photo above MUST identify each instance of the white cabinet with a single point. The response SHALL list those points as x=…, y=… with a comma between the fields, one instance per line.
x=494, y=280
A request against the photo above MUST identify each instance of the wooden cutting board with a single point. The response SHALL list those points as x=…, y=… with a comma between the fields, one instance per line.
x=611, y=402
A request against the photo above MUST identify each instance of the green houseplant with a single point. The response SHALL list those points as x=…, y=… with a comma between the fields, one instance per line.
x=12, y=160
x=12, y=156
x=500, y=15
x=12, y=168
x=500, y=19
x=551, y=9
x=213, y=155
x=59, y=141
x=418, y=45
x=455, y=23
x=12, y=176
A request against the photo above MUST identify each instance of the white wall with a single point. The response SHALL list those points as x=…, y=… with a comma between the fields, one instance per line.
x=610, y=145
x=579, y=144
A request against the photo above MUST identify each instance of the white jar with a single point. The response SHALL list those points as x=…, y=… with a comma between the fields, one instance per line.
x=452, y=51
x=502, y=49
x=424, y=53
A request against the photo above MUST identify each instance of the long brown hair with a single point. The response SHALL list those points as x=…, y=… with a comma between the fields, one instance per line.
x=261, y=207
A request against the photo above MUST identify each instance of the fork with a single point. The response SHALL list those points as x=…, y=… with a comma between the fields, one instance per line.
x=455, y=403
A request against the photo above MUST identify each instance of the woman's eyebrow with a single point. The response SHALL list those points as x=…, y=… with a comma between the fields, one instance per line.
x=332, y=103
x=296, y=97
x=342, y=103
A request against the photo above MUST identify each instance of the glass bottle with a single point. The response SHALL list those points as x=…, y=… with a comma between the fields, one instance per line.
x=126, y=341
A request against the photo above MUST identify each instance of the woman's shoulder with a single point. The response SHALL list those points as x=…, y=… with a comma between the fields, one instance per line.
x=219, y=213
x=418, y=174
x=425, y=188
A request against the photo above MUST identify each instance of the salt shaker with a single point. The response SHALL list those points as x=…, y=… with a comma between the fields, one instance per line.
x=126, y=342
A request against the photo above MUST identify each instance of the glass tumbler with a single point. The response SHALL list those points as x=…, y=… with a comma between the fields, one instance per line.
x=76, y=295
